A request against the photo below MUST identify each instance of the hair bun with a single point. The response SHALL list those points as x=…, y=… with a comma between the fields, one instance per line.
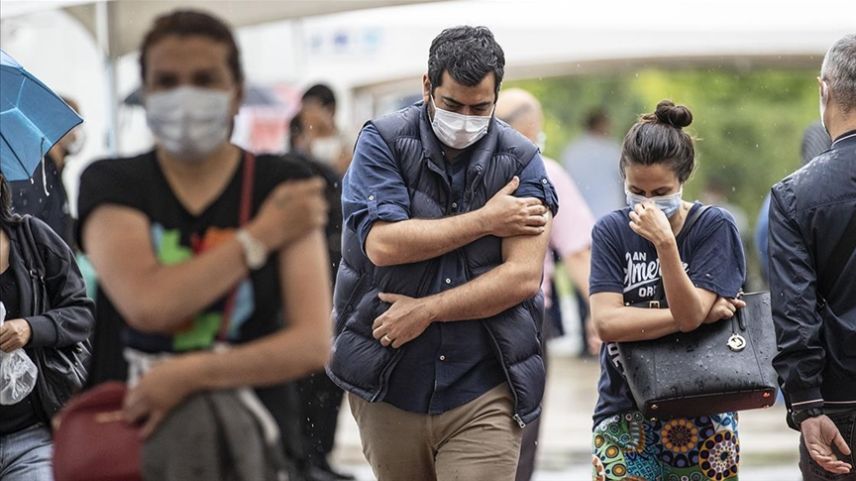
x=675, y=115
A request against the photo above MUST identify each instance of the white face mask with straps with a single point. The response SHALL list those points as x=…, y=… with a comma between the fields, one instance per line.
x=669, y=204
x=456, y=130
x=189, y=122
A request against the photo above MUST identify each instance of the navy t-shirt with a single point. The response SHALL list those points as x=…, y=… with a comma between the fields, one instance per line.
x=626, y=263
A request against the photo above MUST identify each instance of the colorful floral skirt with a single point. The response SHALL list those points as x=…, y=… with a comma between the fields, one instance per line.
x=631, y=448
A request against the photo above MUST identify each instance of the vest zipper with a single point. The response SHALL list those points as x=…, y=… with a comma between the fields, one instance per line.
x=384, y=376
x=515, y=415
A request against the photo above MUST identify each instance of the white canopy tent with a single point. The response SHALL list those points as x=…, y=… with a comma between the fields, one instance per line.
x=558, y=37
x=384, y=51
x=118, y=26
x=128, y=20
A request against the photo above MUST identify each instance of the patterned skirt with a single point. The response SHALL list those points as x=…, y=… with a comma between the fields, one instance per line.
x=631, y=448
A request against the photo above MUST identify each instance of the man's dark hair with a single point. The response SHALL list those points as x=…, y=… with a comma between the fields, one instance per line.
x=659, y=138
x=468, y=54
x=322, y=93
x=187, y=23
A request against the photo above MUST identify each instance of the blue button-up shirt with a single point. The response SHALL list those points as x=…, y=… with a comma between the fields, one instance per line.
x=451, y=363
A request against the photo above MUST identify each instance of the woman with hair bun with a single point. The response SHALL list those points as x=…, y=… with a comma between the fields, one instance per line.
x=637, y=252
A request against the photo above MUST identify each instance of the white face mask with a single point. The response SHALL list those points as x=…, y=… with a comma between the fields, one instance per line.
x=76, y=145
x=326, y=150
x=456, y=130
x=669, y=204
x=189, y=122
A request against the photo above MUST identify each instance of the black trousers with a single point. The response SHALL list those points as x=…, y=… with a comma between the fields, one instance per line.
x=320, y=401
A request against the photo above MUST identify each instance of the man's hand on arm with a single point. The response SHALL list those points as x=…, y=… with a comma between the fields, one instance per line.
x=405, y=320
x=155, y=297
x=517, y=279
x=416, y=240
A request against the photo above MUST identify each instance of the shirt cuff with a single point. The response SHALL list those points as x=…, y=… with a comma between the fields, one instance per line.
x=384, y=213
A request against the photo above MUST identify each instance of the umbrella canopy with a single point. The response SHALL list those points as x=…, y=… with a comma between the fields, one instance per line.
x=32, y=119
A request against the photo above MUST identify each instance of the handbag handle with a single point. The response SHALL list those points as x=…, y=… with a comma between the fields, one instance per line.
x=736, y=342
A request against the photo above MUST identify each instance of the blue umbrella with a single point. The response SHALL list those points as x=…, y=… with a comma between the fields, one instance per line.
x=32, y=119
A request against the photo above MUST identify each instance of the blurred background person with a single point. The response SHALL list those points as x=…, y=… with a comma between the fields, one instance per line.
x=319, y=398
x=592, y=161
x=44, y=196
x=323, y=140
x=25, y=436
x=815, y=141
x=570, y=240
x=718, y=192
x=227, y=247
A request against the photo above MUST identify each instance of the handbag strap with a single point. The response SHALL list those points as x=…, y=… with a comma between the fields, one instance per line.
x=35, y=266
x=692, y=218
x=245, y=210
x=29, y=243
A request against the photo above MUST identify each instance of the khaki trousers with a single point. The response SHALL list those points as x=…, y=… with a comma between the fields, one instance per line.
x=478, y=441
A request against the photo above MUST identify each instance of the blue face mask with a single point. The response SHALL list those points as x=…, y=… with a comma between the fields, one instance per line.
x=669, y=204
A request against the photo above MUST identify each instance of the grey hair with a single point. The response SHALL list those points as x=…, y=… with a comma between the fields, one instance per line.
x=839, y=71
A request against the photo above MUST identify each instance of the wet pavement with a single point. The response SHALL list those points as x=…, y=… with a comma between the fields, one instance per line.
x=768, y=448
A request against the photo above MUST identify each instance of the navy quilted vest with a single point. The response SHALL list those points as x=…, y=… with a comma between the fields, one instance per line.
x=359, y=363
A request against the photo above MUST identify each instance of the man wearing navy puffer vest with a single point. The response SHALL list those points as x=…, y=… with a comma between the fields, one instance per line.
x=438, y=305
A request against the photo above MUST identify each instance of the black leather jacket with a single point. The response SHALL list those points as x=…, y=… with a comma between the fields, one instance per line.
x=815, y=327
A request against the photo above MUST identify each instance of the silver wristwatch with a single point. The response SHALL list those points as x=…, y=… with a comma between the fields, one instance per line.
x=255, y=253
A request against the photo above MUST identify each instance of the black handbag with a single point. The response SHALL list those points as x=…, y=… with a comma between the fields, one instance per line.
x=62, y=370
x=719, y=367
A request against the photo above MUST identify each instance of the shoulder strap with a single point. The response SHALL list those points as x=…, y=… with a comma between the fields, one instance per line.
x=247, y=182
x=249, y=177
x=840, y=256
x=28, y=241
x=692, y=218
x=35, y=266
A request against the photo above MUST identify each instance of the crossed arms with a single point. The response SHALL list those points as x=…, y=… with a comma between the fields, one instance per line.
x=524, y=225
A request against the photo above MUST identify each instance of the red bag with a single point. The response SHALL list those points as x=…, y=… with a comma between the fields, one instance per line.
x=93, y=442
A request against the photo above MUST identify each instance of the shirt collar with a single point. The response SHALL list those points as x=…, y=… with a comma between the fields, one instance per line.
x=851, y=134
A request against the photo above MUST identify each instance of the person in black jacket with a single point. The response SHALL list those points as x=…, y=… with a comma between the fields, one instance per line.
x=813, y=281
x=25, y=437
x=319, y=398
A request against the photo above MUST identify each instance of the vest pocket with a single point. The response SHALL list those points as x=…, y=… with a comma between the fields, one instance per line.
x=348, y=308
